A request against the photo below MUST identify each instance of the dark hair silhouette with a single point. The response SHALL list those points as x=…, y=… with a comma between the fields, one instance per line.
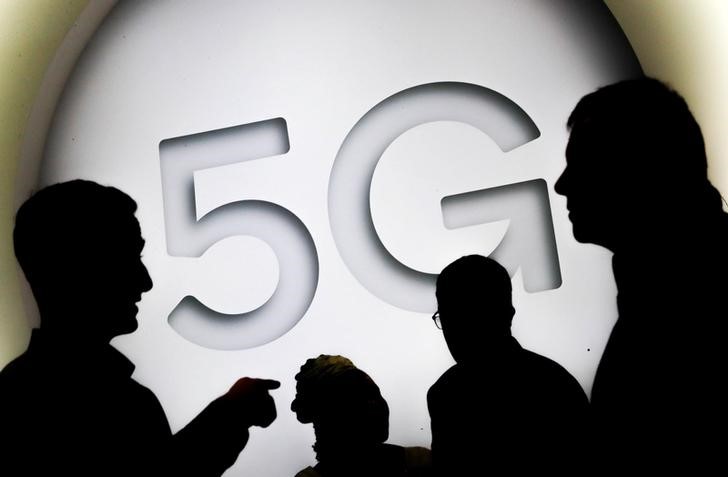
x=501, y=408
x=351, y=422
x=655, y=121
x=636, y=183
x=62, y=223
x=68, y=405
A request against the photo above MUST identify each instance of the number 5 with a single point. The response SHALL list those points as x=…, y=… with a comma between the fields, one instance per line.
x=188, y=235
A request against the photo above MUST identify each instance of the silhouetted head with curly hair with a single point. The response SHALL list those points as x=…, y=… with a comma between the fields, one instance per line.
x=343, y=403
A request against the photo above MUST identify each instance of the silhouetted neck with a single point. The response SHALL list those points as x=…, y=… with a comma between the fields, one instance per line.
x=60, y=351
x=74, y=325
x=492, y=353
x=669, y=229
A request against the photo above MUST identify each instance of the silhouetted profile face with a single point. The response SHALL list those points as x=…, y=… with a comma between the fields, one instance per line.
x=474, y=302
x=80, y=246
x=601, y=198
x=634, y=159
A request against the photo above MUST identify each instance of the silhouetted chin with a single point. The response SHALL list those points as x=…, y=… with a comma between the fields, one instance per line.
x=132, y=326
x=586, y=234
x=473, y=355
x=580, y=235
x=125, y=326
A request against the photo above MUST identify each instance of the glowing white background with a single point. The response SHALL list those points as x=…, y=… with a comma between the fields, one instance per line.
x=166, y=69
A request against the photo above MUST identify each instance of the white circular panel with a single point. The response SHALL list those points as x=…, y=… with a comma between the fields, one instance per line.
x=272, y=93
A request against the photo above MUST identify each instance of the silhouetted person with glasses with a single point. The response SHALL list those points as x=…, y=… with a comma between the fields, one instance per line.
x=636, y=183
x=351, y=421
x=501, y=409
x=68, y=405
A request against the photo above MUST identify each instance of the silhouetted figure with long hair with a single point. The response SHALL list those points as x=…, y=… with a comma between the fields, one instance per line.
x=68, y=405
x=501, y=409
x=351, y=421
x=636, y=183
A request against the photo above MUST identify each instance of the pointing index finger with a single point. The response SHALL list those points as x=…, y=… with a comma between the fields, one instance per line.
x=268, y=383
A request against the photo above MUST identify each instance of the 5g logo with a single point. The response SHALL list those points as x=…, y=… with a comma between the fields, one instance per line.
x=529, y=243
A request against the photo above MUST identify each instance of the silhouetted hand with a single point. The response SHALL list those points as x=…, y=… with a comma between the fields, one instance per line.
x=251, y=398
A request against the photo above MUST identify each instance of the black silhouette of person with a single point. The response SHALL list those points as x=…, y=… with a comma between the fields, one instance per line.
x=351, y=422
x=68, y=405
x=636, y=183
x=500, y=409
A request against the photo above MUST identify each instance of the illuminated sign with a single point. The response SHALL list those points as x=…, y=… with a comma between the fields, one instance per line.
x=303, y=172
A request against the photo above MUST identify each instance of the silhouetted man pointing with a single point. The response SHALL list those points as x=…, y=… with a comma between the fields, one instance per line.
x=68, y=405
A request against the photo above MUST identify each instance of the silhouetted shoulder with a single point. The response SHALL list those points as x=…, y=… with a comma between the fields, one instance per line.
x=454, y=381
x=454, y=373
x=14, y=387
x=418, y=461
x=526, y=376
x=13, y=372
x=308, y=472
x=82, y=414
x=549, y=374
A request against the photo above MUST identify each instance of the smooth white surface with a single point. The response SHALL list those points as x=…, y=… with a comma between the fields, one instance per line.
x=160, y=70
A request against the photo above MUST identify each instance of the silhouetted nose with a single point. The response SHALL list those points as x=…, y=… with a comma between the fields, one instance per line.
x=560, y=186
x=144, y=279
